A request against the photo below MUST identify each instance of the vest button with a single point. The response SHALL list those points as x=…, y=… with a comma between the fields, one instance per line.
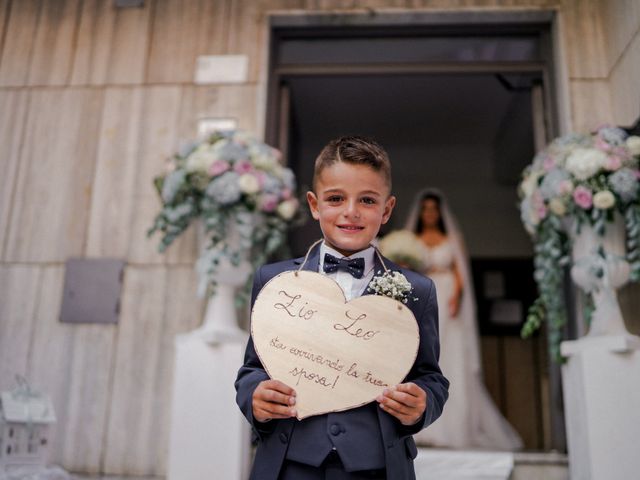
x=283, y=437
x=335, y=429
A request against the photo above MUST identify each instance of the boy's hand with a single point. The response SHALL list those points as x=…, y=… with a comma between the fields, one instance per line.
x=273, y=399
x=407, y=402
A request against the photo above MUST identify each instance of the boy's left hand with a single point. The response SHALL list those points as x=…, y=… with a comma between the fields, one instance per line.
x=406, y=401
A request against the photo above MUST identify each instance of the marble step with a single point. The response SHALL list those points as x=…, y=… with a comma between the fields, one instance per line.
x=459, y=465
x=446, y=464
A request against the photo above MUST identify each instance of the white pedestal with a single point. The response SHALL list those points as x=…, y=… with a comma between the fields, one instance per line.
x=601, y=383
x=209, y=436
x=442, y=464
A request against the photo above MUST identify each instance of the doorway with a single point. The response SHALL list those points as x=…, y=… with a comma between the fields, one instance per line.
x=458, y=102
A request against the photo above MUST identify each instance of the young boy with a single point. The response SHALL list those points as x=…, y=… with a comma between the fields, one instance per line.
x=351, y=199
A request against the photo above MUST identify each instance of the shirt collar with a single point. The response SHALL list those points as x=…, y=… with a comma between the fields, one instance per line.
x=367, y=254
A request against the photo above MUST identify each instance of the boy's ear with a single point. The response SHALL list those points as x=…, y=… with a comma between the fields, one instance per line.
x=312, y=200
x=388, y=208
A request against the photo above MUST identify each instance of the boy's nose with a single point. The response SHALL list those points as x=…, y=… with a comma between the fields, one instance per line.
x=352, y=210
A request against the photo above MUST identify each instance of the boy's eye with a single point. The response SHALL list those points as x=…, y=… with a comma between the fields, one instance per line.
x=334, y=198
x=368, y=200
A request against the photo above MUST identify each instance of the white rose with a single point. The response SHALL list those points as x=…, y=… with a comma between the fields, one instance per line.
x=585, y=162
x=200, y=159
x=249, y=184
x=604, y=200
x=557, y=206
x=287, y=209
x=633, y=144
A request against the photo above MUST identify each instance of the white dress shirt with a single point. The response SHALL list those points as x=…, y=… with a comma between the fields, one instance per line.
x=351, y=286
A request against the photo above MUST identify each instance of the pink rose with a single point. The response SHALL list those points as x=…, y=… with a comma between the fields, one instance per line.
x=243, y=166
x=621, y=152
x=583, y=197
x=286, y=194
x=218, y=167
x=600, y=144
x=542, y=212
x=613, y=163
x=261, y=176
x=268, y=202
x=538, y=204
x=549, y=163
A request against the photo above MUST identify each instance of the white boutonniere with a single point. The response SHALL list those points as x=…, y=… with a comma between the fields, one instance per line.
x=391, y=284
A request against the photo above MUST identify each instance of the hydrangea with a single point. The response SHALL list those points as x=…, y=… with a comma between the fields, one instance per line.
x=230, y=151
x=613, y=135
x=552, y=183
x=271, y=184
x=624, y=182
x=225, y=189
x=186, y=148
x=288, y=178
x=172, y=184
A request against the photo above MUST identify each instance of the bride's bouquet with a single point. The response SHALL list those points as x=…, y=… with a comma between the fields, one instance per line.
x=404, y=248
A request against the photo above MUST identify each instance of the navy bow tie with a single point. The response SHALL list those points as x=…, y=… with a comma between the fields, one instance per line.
x=354, y=266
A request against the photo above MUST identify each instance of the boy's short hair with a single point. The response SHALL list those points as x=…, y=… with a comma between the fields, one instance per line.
x=355, y=150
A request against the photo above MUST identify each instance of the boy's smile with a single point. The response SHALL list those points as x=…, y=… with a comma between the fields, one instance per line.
x=351, y=202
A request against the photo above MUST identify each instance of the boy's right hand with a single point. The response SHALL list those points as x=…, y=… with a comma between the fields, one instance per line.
x=273, y=399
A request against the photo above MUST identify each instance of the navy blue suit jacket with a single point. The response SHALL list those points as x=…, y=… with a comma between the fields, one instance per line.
x=400, y=449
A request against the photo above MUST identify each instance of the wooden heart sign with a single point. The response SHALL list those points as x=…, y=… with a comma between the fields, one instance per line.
x=336, y=355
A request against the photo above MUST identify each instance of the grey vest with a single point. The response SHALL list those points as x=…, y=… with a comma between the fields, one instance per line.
x=355, y=434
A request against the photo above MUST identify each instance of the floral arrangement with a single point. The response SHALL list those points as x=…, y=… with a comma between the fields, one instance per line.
x=403, y=247
x=232, y=182
x=391, y=284
x=577, y=179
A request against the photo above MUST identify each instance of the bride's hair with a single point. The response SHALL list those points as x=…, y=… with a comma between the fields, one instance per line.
x=436, y=198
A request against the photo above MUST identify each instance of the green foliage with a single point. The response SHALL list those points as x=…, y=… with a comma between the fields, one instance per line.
x=551, y=256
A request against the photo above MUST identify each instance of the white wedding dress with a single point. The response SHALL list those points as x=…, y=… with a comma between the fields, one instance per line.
x=470, y=418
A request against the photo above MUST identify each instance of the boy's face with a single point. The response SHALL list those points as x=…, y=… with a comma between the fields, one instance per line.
x=351, y=202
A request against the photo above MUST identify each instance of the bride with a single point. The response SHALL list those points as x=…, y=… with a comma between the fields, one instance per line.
x=470, y=418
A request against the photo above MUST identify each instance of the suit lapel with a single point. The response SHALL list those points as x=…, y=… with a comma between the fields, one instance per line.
x=313, y=261
x=378, y=270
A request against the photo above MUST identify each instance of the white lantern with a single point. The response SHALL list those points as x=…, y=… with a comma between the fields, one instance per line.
x=26, y=417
